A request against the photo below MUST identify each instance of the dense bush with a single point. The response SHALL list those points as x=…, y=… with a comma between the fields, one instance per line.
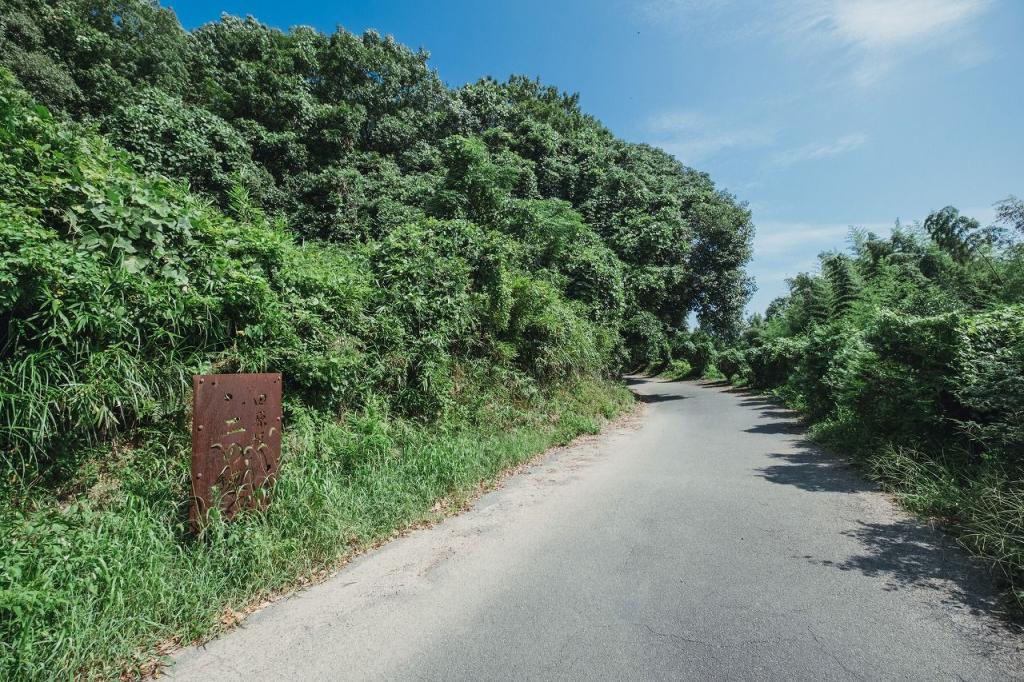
x=701, y=352
x=988, y=382
x=909, y=351
x=772, y=360
x=730, y=363
x=349, y=137
x=445, y=277
x=646, y=342
x=117, y=286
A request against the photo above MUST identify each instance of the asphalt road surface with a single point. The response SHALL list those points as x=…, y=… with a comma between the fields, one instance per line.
x=703, y=538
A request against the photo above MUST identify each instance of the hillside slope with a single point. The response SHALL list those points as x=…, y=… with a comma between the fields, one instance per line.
x=445, y=278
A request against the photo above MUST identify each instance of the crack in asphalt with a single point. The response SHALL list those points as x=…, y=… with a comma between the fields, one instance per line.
x=831, y=654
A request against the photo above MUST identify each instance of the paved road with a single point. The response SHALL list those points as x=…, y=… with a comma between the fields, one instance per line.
x=704, y=540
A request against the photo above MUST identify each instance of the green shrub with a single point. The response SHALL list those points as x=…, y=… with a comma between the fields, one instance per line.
x=698, y=349
x=772, y=362
x=644, y=337
x=988, y=381
x=809, y=378
x=904, y=379
x=730, y=363
x=678, y=369
x=712, y=372
x=553, y=338
x=185, y=141
x=703, y=354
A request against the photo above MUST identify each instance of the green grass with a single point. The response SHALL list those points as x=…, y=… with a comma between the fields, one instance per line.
x=95, y=583
x=677, y=370
x=974, y=500
x=713, y=373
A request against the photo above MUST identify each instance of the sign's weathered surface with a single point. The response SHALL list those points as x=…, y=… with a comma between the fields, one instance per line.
x=236, y=442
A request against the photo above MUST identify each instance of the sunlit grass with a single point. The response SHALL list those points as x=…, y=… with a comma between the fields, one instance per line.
x=94, y=587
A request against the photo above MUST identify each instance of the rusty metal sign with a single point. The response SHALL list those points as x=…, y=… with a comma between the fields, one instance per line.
x=236, y=442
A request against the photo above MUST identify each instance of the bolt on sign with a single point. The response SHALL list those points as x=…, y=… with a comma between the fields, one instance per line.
x=236, y=442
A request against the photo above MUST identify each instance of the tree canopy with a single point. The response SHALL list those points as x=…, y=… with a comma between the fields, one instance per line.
x=351, y=137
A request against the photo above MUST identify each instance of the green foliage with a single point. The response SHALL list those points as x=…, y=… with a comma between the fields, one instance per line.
x=646, y=341
x=553, y=339
x=474, y=186
x=1010, y=212
x=959, y=236
x=773, y=360
x=678, y=369
x=555, y=240
x=349, y=137
x=988, y=381
x=416, y=364
x=730, y=363
x=110, y=286
x=909, y=351
x=838, y=272
x=443, y=276
x=185, y=142
x=107, y=270
x=699, y=350
x=703, y=355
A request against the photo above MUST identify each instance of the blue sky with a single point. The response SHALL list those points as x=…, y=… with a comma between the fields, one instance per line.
x=821, y=114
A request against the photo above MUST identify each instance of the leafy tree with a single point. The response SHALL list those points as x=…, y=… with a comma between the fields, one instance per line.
x=185, y=142
x=350, y=137
x=957, y=235
x=1010, y=211
x=838, y=273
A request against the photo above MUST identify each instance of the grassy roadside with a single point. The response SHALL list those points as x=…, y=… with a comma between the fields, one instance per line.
x=95, y=586
x=981, y=508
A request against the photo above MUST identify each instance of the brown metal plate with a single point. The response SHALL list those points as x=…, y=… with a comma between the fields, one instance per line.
x=236, y=442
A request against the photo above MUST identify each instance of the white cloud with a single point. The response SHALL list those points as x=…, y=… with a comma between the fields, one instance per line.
x=782, y=249
x=780, y=237
x=888, y=24
x=815, y=151
x=692, y=137
x=870, y=36
x=877, y=34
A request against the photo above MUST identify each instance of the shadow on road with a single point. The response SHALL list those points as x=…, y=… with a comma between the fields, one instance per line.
x=777, y=427
x=904, y=553
x=813, y=470
x=781, y=413
x=907, y=554
x=658, y=397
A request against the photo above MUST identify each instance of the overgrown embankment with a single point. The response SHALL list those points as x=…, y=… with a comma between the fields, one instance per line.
x=908, y=352
x=416, y=367
x=445, y=277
